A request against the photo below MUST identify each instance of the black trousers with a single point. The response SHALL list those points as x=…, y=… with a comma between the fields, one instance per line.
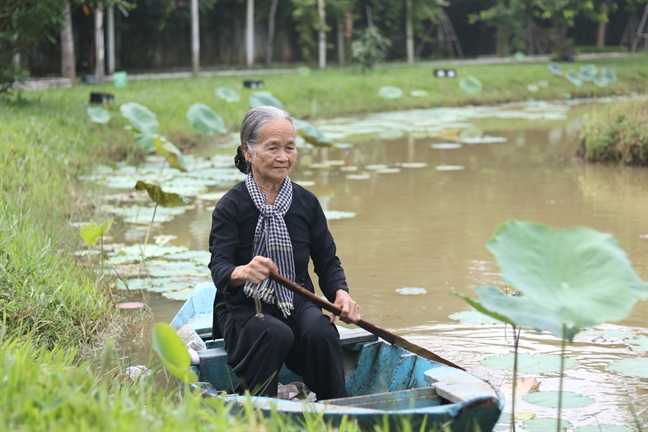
x=307, y=342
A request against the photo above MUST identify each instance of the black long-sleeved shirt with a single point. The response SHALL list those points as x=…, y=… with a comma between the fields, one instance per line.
x=232, y=236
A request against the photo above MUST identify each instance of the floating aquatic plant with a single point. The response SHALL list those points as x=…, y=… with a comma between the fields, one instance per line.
x=205, y=120
x=312, y=134
x=471, y=85
x=390, y=92
x=549, y=399
x=588, y=72
x=555, y=69
x=98, y=115
x=263, y=98
x=637, y=367
x=228, y=94
x=545, y=424
x=140, y=117
x=335, y=214
x=574, y=78
x=474, y=317
x=446, y=146
x=170, y=152
x=173, y=353
x=608, y=74
x=528, y=363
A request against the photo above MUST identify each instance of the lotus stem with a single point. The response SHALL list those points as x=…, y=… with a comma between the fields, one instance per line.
x=562, y=369
x=102, y=255
x=515, y=366
x=146, y=240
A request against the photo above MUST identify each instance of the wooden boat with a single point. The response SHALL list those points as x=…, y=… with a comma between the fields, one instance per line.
x=384, y=382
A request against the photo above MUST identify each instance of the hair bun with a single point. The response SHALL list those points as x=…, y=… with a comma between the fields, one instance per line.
x=240, y=162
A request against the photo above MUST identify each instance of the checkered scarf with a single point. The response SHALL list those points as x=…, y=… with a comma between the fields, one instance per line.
x=272, y=240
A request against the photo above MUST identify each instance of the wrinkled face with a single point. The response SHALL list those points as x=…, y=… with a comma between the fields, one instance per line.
x=275, y=152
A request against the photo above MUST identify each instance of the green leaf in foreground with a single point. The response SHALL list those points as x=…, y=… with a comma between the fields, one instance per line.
x=390, y=92
x=173, y=352
x=264, y=98
x=471, y=85
x=142, y=118
x=164, y=199
x=228, y=94
x=205, y=120
x=98, y=115
x=549, y=399
x=527, y=363
x=581, y=275
x=91, y=232
x=312, y=134
x=170, y=152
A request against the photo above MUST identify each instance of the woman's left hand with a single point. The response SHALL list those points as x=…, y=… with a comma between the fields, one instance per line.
x=350, y=310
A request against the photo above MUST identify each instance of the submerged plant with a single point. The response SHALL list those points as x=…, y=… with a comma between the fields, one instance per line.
x=569, y=279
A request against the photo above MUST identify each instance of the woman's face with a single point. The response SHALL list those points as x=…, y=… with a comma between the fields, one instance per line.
x=275, y=152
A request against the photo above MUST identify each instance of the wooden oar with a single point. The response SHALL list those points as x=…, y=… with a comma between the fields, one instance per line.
x=374, y=329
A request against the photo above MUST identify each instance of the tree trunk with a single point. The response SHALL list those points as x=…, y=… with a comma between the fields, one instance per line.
x=99, y=43
x=560, y=28
x=111, y=40
x=340, y=42
x=195, y=38
x=68, y=61
x=322, y=34
x=249, y=34
x=600, y=35
x=348, y=26
x=409, y=32
x=271, y=31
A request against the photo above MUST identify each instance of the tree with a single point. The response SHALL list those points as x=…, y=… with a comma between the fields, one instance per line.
x=68, y=61
x=23, y=24
x=509, y=17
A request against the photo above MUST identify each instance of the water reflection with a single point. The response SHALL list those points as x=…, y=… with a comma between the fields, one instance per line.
x=424, y=227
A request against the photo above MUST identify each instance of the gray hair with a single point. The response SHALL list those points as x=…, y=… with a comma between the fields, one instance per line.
x=254, y=121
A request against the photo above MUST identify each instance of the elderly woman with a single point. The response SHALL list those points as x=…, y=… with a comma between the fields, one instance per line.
x=270, y=224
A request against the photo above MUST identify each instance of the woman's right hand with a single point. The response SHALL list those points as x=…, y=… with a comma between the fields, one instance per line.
x=256, y=271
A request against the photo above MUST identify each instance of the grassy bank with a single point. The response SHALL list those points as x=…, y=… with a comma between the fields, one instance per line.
x=617, y=134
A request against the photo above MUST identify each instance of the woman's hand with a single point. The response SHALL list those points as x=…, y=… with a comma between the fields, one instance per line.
x=256, y=271
x=350, y=310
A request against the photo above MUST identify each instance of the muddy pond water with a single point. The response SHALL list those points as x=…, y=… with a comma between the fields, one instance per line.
x=413, y=197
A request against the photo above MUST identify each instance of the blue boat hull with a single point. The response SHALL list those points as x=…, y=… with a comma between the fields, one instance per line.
x=385, y=382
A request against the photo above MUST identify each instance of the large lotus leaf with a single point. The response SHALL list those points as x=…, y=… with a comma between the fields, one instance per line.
x=390, y=92
x=98, y=114
x=471, y=85
x=600, y=81
x=631, y=367
x=170, y=152
x=588, y=72
x=263, y=98
x=527, y=363
x=574, y=78
x=312, y=134
x=142, y=118
x=518, y=310
x=549, y=399
x=145, y=141
x=581, y=275
x=555, y=69
x=165, y=199
x=228, y=94
x=608, y=74
x=91, y=232
x=205, y=120
x=173, y=352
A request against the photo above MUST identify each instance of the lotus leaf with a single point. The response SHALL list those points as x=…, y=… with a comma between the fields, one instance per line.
x=304, y=71
x=312, y=134
x=182, y=295
x=635, y=367
x=555, y=69
x=170, y=152
x=588, y=72
x=173, y=352
x=263, y=98
x=533, y=88
x=98, y=115
x=474, y=317
x=145, y=141
x=603, y=428
x=527, y=363
x=228, y=94
x=142, y=118
x=549, y=399
x=205, y=120
x=471, y=85
x=543, y=83
x=608, y=74
x=418, y=93
x=574, y=78
x=388, y=171
x=358, y=176
x=545, y=424
x=133, y=284
x=390, y=92
x=570, y=272
x=411, y=291
x=600, y=81
x=91, y=232
x=160, y=197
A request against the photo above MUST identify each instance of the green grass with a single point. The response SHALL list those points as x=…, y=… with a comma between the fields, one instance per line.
x=618, y=133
